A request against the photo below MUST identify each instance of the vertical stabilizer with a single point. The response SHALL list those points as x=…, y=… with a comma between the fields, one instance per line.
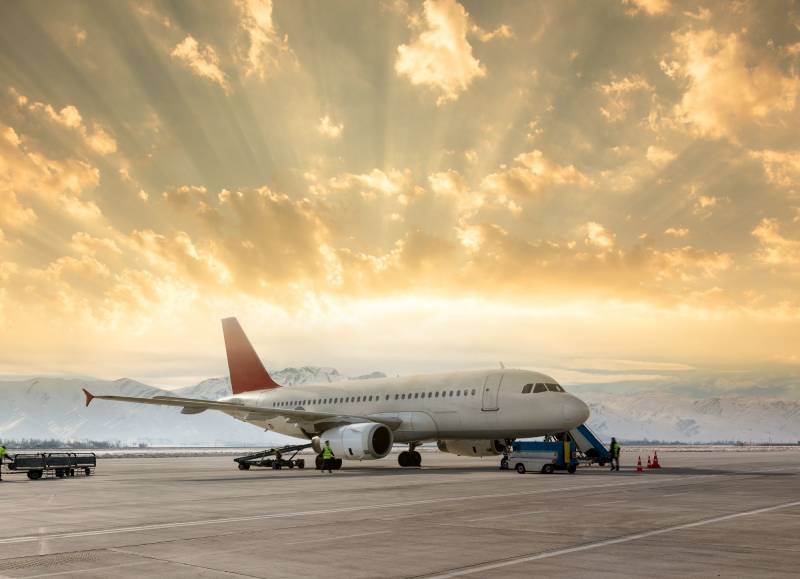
x=246, y=370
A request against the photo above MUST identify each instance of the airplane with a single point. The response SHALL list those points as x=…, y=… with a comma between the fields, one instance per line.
x=470, y=413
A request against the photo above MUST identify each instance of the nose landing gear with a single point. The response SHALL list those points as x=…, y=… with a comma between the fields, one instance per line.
x=410, y=457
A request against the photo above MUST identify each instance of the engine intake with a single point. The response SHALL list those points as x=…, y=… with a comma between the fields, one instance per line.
x=363, y=441
x=472, y=447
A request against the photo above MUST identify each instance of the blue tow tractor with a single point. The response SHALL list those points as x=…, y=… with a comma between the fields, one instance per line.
x=545, y=457
x=562, y=451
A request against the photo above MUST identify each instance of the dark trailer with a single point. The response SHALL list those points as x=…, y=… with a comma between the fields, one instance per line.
x=58, y=464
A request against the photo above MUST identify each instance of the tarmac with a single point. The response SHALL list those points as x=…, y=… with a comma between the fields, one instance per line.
x=704, y=514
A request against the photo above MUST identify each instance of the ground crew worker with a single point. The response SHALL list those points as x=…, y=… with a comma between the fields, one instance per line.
x=2, y=459
x=614, y=449
x=327, y=457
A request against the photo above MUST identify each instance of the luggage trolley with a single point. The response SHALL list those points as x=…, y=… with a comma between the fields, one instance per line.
x=58, y=464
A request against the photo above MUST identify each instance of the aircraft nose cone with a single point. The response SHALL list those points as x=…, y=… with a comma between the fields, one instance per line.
x=575, y=411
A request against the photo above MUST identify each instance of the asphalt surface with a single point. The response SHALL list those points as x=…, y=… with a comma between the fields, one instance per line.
x=705, y=514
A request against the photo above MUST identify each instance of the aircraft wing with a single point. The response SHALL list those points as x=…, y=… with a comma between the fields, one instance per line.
x=314, y=420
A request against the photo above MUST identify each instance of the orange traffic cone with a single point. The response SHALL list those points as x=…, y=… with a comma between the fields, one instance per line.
x=639, y=465
x=649, y=464
x=655, y=460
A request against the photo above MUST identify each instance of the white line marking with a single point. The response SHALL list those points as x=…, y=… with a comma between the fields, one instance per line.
x=505, y=516
x=606, y=543
x=82, y=571
x=175, y=525
x=304, y=541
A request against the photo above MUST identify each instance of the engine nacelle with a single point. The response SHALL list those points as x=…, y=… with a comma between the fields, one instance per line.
x=364, y=441
x=472, y=447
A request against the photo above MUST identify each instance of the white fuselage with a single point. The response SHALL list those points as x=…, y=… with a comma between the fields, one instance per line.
x=488, y=404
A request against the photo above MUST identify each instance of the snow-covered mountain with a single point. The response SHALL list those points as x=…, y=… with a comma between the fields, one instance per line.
x=667, y=416
x=731, y=409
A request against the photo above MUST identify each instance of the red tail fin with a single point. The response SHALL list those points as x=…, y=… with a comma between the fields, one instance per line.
x=247, y=371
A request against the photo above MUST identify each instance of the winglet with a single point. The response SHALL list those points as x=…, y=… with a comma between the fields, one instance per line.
x=89, y=396
x=246, y=370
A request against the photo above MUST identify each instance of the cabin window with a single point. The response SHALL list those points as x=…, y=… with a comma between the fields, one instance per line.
x=387, y=397
x=527, y=388
x=458, y=392
x=451, y=393
x=539, y=388
x=397, y=397
x=436, y=394
x=473, y=391
x=402, y=396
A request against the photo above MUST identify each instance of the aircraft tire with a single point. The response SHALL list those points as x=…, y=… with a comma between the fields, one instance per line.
x=416, y=458
x=402, y=458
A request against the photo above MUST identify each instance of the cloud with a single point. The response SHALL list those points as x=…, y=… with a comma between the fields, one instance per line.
x=263, y=46
x=330, y=129
x=532, y=175
x=502, y=31
x=203, y=61
x=704, y=204
x=620, y=94
x=84, y=243
x=598, y=236
x=776, y=249
x=676, y=232
x=728, y=85
x=781, y=167
x=95, y=136
x=649, y=7
x=58, y=184
x=441, y=57
x=659, y=157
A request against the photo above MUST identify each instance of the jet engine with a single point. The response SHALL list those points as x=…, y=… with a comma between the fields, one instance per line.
x=363, y=441
x=472, y=447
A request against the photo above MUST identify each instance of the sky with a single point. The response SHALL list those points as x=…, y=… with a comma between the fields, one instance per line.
x=399, y=185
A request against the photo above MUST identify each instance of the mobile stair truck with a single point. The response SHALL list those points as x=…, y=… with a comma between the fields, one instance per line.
x=545, y=457
x=589, y=445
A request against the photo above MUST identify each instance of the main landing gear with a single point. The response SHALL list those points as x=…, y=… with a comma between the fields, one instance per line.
x=410, y=457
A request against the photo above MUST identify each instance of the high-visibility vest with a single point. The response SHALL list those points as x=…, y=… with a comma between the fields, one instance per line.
x=615, y=448
x=2, y=453
x=327, y=452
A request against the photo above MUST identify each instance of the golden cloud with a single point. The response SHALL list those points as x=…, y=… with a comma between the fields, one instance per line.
x=263, y=47
x=533, y=174
x=202, y=61
x=441, y=57
x=729, y=86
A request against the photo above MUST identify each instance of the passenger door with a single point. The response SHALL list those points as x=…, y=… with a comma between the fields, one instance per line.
x=491, y=391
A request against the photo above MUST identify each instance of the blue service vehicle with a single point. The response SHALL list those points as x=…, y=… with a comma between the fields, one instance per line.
x=562, y=451
x=545, y=457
